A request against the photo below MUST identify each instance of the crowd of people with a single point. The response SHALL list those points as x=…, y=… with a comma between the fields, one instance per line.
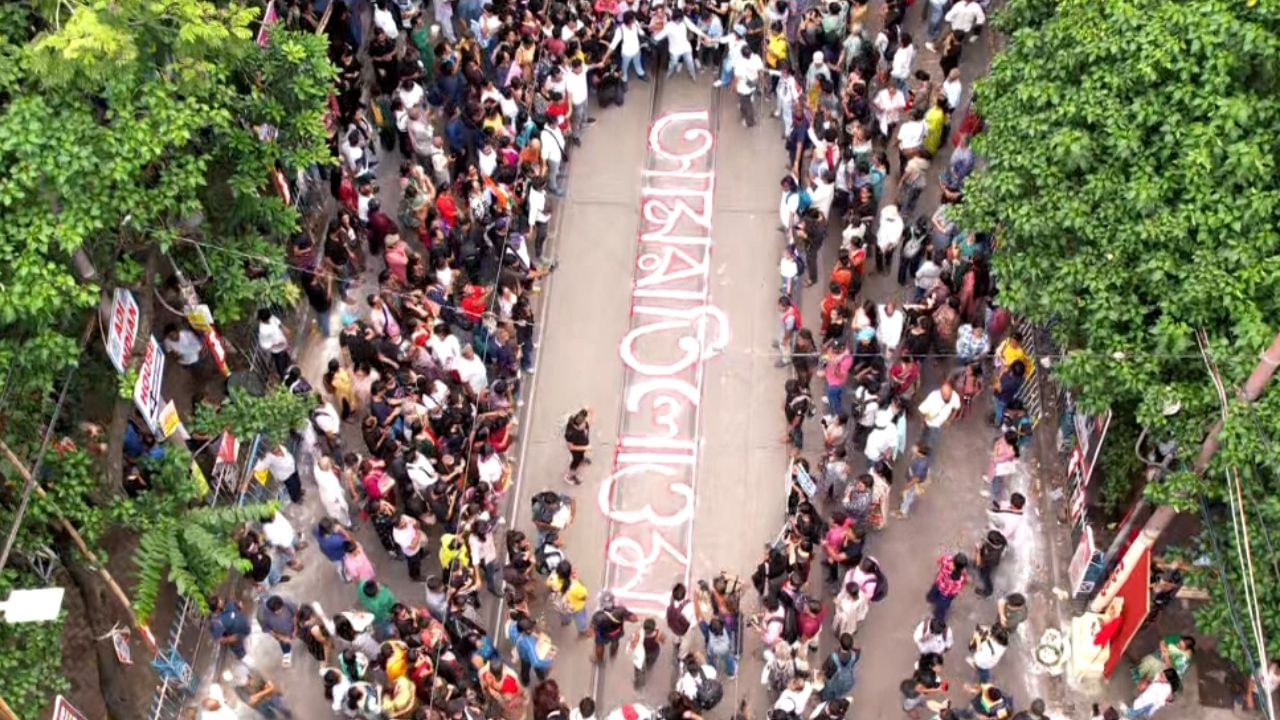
x=470, y=110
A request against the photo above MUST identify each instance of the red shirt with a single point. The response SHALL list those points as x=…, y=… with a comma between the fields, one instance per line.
x=447, y=207
x=945, y=584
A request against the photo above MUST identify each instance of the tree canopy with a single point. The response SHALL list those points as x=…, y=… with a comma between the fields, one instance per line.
x=134, y=135
x=1131, y=174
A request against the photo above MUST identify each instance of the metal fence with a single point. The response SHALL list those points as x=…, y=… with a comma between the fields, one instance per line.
x=187, y=645
x=1029, y=393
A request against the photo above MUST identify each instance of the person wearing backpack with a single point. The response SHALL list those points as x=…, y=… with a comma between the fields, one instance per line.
x=838, y=671
x=700, y=685
x=680, y=618
x=609, y=624
x=720, y=650
x=987, y=645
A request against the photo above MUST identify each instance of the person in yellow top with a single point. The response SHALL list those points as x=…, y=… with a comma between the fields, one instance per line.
x=400, y=698
x=339, y=383
x=1010, y=351
x=570, y=596
x=453, y=549
x=935, y=122
x=394, y=655
x=776, y=49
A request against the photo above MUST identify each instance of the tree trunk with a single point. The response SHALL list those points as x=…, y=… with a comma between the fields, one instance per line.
x=123, y=410
x=124, y=690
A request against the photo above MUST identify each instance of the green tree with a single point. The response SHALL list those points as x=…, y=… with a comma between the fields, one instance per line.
x=1131, y=176
x=137, y=137
x=273, y=415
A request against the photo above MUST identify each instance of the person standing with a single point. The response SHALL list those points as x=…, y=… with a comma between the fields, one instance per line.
x=274, y=341
x=838, y=671
x=413, y=544
x=277, y=616
x=917, y=478
x=986, y=647
x=950, y=580
x=746, y=74
x=933, y=636
x=577, y=437
x=990, y=551
x=790, y=323
x=535, y=653
x=258, y=692
x=720, y=651
x=938, y=410
x=680, y=618
x=228, y=625
x=283, y=469
x=332, y=496
x=645, y=648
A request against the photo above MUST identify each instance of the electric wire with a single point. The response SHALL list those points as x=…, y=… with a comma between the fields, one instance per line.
x=1239, y=522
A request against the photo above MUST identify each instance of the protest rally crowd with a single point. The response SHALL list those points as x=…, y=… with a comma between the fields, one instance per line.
x=472, y=110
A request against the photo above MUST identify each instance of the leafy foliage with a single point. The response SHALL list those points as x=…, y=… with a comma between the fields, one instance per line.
x=194, y=551
x=127, y=129
x=29, y=661
x=1131, y=172
x=273, y=415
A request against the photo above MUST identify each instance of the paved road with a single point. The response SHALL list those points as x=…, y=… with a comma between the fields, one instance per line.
x=740, y=456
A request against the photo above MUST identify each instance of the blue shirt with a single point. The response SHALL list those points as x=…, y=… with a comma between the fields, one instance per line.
x=332, y=545
x=230, y=622
x=527, y=647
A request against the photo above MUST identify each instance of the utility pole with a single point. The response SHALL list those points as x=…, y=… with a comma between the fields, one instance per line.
x=1164, y=514
x=88, y=554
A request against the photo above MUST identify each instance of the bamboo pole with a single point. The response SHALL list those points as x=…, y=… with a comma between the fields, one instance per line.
x=88, y=554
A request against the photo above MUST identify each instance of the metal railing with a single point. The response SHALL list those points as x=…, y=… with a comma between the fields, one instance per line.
x=190, y=629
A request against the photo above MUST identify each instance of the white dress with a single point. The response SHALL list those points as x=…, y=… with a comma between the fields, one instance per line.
x=332, y=496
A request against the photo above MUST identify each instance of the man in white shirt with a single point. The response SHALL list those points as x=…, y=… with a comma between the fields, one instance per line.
x=822, y=193
x=938, y=410
x=445, y=347
x=733, y=56
x=273, y=341
x=281, y=535
x=413, y=544
x=184, y=344
x=553, y=152
x=903, y=61
x=679, y=49
x=890, y=326
x=577, y=89
x=952, y=89
x=385, y=21
x=746, y=75
x=966, y=16
x=539, y=216
x=889, y=104
x=471, y=370
x=420, y=134
x=911, y=137
x=279, y=463
x=882, y=443
x=628, y=36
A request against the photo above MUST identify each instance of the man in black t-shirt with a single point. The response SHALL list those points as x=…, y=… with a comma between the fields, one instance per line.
x=577, y=437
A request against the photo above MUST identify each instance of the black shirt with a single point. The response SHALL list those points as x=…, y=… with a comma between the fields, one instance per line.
x=575, y=435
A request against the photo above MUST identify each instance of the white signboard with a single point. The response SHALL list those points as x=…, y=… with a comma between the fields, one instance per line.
x=124, y=328
x=146, y=392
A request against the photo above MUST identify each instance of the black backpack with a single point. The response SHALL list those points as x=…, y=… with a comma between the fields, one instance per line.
x=882, y=585
x=676, y=620
x=710, y=692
